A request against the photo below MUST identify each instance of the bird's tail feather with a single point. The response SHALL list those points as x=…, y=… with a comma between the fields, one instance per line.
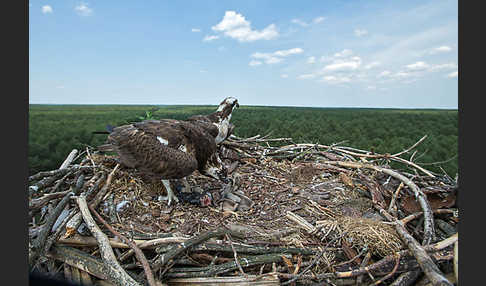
x=109, y=129
x=105, y=148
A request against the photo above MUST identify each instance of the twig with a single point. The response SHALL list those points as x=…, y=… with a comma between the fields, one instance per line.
x=89, y=156
x=413, y=216
x=391, y=273
x=426, y=263
x=456, y=260
x=54, y=237
x=179, y=249
x=79, y=259
x=213, y=270
x=76, y=220
x=314, y=261
x=38, y=245
x=40, y=202
x=228, y=237
x=394, y=197
x=407, y=278
x=78, y=240
x=429, y=229
x=365, y=261
x=138, y=253
x=44, y=174
x=116, y=274
x=411, y=147
x=69, y=159
x=46, y=181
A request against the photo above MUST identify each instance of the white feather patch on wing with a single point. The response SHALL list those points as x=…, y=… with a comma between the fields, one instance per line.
x=162, y=140
x=183, y=148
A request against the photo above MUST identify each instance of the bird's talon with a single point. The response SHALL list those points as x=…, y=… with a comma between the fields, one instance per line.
x=169, y=199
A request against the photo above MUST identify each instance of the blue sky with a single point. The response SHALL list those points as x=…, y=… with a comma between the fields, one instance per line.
x=401, y=54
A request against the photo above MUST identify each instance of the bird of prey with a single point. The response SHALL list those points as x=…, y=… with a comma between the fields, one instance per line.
x=170, y=149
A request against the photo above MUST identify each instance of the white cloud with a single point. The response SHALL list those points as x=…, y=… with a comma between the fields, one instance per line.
x=46, y=9
x=299, y=22
x=235, y=26
x=453, y=74
x=318, y=20
x=343, y=53
x=360, y=32
x=341, y=62
x=372, y=65
x=288, y=52
x=195, y=30
x=306, y=76
x=402, y=74
x=276, y=57
x=83, y=9
x=325, y=59
x=441, y=49
x=209, y=38
x=335, y=79
x=418, y=66
x=311, y=60
x=447, y=66
x=255, y=63
x=267, y=57
x=284, y=75
x=344, y=65
x=384, y=74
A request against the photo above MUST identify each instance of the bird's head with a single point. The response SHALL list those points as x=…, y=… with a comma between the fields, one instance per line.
x=206, y=199
x=221, y=118
x=228, y=105
x=214, y=168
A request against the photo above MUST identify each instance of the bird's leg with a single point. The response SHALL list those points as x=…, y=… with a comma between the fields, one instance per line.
x=170, y=194
x=187, y=187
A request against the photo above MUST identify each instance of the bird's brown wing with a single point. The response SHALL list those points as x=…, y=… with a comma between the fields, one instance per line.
x=205, y=123
x=165, y=129
x=139, y=147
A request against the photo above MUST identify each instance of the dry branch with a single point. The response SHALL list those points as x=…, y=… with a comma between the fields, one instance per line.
x=78, y=240
x=426, y=263
x=407, y=278
x=138, y=253
x=179, y=249
x=116, y=274
x=80, y=260
x=69, y=159
x=251, y=280
x=223, y=268
x=429, y=230
x=76, y=220
x=38, y=245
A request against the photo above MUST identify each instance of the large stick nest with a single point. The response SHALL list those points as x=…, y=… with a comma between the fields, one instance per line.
x=338, y=206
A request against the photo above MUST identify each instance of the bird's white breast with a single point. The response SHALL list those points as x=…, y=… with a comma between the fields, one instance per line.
x=223, y=127
x=162, y=140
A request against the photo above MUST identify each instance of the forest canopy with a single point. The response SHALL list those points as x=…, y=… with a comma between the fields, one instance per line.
x=54, y=130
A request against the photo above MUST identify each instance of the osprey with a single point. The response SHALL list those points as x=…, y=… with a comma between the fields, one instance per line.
x=171, y=149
